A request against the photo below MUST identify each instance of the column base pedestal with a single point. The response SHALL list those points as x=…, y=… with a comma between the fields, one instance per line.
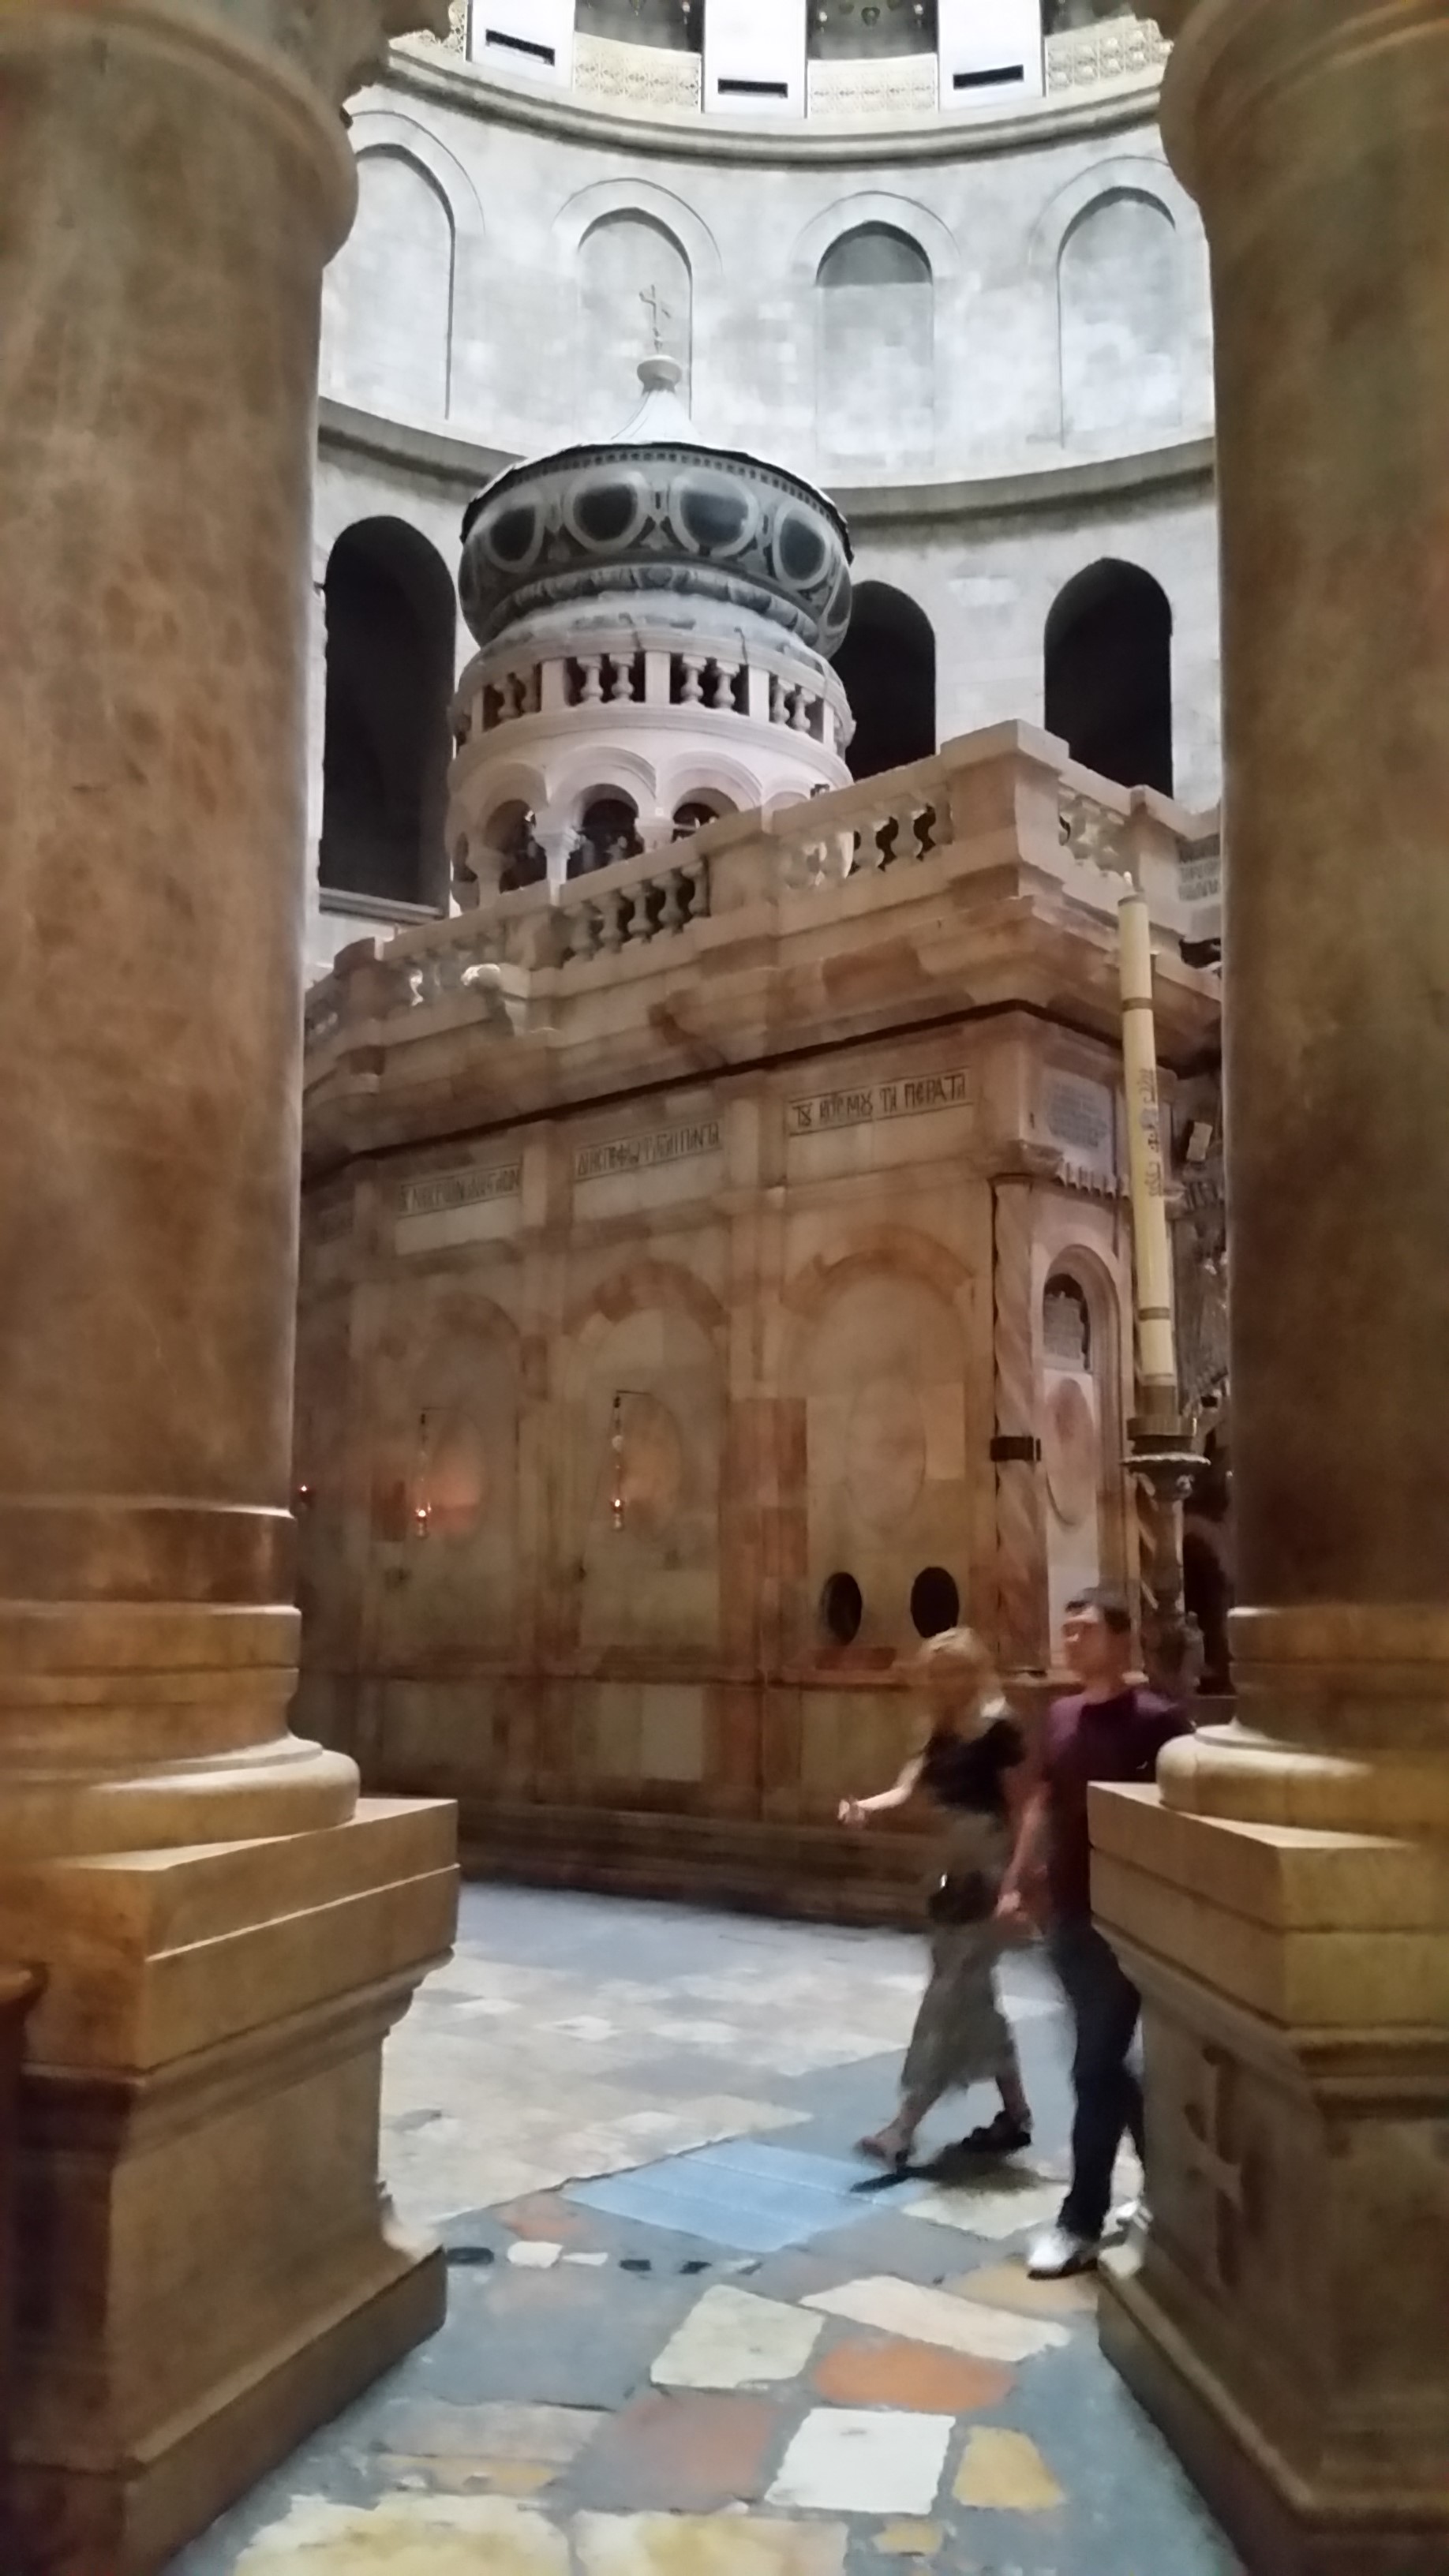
x=206, y=2268
x=1285, y=2322
x=1275, y=2522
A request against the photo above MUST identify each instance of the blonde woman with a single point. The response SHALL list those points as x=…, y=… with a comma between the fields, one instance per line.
x=973, y=1769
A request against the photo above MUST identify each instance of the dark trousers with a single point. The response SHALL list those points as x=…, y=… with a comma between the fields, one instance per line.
x=1105, y=2005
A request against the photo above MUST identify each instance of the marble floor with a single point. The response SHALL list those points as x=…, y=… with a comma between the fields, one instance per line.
x=690, y=2334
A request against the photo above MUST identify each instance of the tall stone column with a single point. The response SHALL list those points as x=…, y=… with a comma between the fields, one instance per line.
x=225, y=1934
x=1285, y=1902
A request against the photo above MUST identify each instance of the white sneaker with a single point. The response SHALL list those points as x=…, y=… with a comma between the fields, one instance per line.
x=1130, y=2217
x=1061, y=2252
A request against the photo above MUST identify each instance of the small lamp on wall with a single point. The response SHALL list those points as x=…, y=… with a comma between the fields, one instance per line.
x=618, y=1463
x=421, y=1515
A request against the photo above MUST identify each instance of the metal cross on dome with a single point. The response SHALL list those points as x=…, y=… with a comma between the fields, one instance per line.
x=659, y=313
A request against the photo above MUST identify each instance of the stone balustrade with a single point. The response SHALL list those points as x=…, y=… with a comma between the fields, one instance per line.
x=1008, y=797
x=494, y=694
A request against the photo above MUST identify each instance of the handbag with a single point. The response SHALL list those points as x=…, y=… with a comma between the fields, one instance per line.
x=961, y=1897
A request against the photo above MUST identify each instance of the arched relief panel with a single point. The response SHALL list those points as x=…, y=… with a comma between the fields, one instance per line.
x=388, y=297
x=1107, y=320
x=877, y=1351
x=1122, y=320
x=639, y=259
x=447, y=1389
x=1080, y=1428
x=642, y=1422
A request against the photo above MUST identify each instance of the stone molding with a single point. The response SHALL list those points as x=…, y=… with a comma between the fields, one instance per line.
x=1066, y=116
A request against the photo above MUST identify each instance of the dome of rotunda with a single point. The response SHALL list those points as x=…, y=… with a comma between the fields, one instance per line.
x=660, y=512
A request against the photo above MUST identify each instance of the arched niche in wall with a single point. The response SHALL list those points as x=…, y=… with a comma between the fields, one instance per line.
x=391, y=649
x=1120, y=287
x=643, y=1421
x=636, y=290
x=876, y=1364
x=1109, y=674
x=1076, y=1375
x=876, y=348
x=442, y=1397
x=887, y=666
x=388, y=296
x=607, y=832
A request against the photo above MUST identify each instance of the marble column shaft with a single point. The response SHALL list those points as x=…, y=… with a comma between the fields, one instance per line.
x=1284, y=1905
x=176, y=174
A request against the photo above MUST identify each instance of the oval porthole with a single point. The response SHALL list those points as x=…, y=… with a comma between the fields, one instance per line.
x=935, y=1602
x=842, y=1608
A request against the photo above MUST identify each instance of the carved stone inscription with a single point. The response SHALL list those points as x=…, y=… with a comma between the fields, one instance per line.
x=646, y=1153
x=443, y=1192
x=912, y=1097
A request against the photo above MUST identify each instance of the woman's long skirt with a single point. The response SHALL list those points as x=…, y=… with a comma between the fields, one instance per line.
x=962, y=2036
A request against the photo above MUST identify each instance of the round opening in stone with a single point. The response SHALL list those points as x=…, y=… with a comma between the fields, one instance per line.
x=935, y=1602
x=512, y=534
x=713, y=517
x=842, y=1608
x=800, y=550
x=605, y=513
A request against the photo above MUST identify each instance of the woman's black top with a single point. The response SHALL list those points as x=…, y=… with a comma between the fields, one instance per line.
x=968, y=1771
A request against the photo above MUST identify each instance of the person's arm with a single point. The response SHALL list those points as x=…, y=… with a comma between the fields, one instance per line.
x=858, y=1811
x=1027, y=1801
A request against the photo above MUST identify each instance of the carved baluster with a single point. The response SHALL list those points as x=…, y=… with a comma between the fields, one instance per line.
x=693, y=881
x=800, y=705
x=614, y=910
x=692, y=693
x=779, y=701
x=591, y=692
x=583, y=935
x=621, y=687
x=671, y=908
x=725, y=676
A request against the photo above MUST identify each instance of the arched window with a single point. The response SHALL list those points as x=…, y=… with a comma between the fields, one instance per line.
x=520, y=855
x=876, y=373
x=388, y=297
x=696, y=811
x=1109, y=675
x=637, y=291
x=608, y=832
x=887, y=667
x=391, y=643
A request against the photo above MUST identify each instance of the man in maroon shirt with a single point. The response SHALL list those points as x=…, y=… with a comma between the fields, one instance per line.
x=1108, y=1730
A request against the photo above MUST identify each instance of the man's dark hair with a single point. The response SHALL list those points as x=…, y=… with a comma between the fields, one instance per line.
x=1111, y=1608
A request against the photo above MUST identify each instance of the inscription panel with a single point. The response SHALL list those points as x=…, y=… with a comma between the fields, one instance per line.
x=474, y=1205
x=914, y=1095
x=1081, y=1117
x=606, y=1160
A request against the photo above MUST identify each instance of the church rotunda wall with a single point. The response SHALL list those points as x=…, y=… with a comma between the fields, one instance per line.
x=987, y=337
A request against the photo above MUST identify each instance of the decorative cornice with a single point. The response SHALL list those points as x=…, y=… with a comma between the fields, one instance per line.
x=467, y=88
x=463, y=465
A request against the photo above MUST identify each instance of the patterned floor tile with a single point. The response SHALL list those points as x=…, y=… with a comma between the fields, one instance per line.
x=1004, y=2472
x=1006, y=2285
x=410, y=2536
x=431, y=2429
x=1001, y=2210
x=722, y=2545
x=872, y=2370
x=683, y=2454
x=910, y=2540
x=920, y=2315
x=752, y=2197
x=732, y=2339
x=848, y=2461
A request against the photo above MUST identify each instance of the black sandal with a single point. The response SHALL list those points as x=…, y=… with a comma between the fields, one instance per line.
x=1002, y=2136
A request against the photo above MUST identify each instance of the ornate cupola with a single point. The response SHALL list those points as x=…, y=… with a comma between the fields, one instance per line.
x=655, y=615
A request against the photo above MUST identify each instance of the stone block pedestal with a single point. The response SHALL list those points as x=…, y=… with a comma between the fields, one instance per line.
x=1287, y=2323
x=206, y=2270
